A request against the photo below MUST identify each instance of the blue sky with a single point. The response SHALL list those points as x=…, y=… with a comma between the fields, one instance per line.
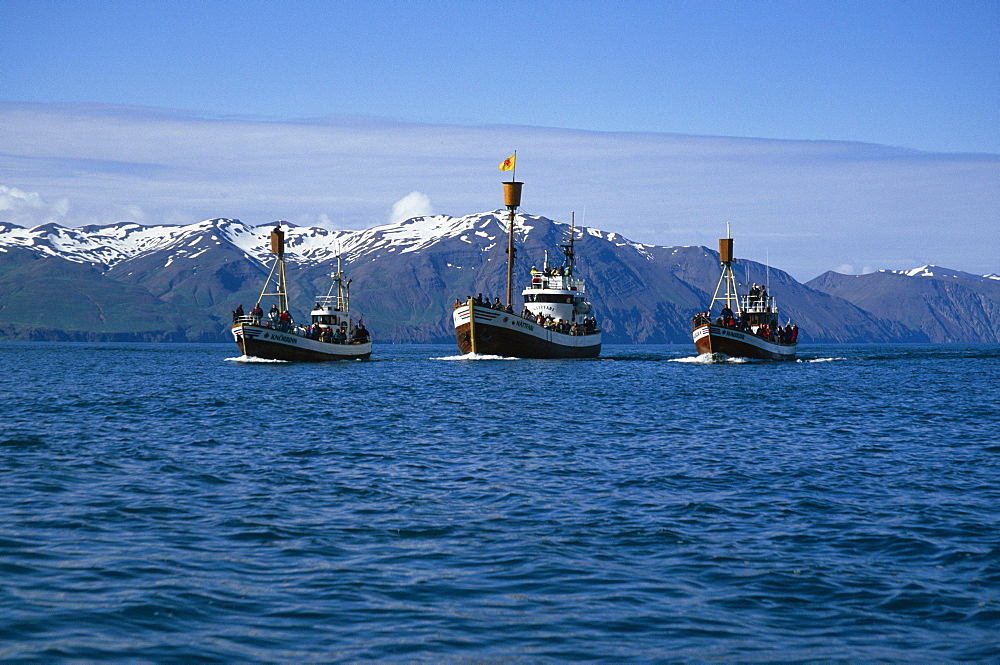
x=381, y=84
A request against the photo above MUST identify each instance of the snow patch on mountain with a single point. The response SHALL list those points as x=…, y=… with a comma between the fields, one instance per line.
x=417, y=233
x=109, y=245
x=941, y=273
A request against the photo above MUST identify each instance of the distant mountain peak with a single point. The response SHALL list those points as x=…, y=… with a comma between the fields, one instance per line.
x=940, y=273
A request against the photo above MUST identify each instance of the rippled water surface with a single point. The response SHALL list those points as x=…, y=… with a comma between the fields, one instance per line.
x=167, y=503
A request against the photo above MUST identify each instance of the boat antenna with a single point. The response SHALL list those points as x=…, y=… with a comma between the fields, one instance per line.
x=767, y=268
x=511, y=199
x=568, y=247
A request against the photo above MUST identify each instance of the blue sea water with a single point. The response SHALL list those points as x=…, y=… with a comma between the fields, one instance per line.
x=168, y=503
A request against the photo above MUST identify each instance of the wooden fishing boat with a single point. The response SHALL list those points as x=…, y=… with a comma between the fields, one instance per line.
x=747, y=325
x=330, y=335
x=556, y=320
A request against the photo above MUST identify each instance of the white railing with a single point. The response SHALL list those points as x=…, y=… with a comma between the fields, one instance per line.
x=757, y=305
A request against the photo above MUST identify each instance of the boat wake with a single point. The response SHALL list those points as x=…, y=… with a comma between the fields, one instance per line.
x=475, y=356
x=819, y=360
x=711, y=359
x=253, y=359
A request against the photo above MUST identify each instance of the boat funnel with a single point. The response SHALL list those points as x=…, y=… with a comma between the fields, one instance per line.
x=726, y=250
x=278, y=241
x=512, y=194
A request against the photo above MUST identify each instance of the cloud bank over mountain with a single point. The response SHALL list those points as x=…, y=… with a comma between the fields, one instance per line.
x=19, y=207
x=412, y=205
x=808, y=206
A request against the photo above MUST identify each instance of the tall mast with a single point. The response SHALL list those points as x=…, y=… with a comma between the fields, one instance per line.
x=568, y=247
x=278, y=248
x=342, y=301
x=511, y=199
x=342, y=294
x=730, y=298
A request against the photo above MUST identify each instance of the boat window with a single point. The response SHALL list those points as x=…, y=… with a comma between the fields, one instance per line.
x=548, y=297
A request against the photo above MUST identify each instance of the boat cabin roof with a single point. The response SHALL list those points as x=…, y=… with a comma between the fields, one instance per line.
x=554, y=280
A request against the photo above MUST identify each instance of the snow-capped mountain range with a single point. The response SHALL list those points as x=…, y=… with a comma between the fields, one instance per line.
x=185, y=279
x=114, y=243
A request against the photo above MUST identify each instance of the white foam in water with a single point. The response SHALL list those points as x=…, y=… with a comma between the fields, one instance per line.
x=710, y=359
x=252, y=359
x=475, y=356
x=820, y=360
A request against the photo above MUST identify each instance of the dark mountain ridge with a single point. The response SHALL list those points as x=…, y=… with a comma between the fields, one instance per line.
x=179, y=283
x=945, y=305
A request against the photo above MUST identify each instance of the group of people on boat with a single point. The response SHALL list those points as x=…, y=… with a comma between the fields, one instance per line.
x=558, y=270
x=787, y=334
x=587, y=327
x=485, y=302
x=275, y=319
x=282, y=321
x=335, y=335
x=326, y=333
x=757, y=297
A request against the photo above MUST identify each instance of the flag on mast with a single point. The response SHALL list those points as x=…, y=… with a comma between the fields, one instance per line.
x=508, y=164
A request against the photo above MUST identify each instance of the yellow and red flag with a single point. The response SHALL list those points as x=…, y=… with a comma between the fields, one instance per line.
x=508, y=164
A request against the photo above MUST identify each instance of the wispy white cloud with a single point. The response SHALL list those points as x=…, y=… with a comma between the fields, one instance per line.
x=848, y=269
x=28, y=208
x=12, y=198
x=61, y=207
x=807, y=205
x=414, y=204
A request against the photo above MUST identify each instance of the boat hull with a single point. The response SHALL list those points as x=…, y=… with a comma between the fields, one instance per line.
x=270, y=344
x=499, y=333
x=710, y=338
